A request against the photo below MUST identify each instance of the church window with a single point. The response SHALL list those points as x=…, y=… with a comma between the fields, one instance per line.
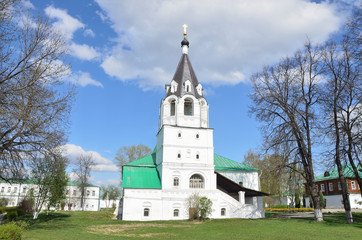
x=2, y=189
x=197, y=136
x=24, y=189
x=241, y=184
x=197, y=156
x=353, y=185
x=15, y=189
x=173, y=108
x=9, y=189
x=330, y=185
x=176, y=212
x=179, y=135
x=176, y=181
x=187, y=88
x=93, y=193
x=74, y=192
x=179, y=155
x=196, y=181
x=188, y=107
x=223, y=211
x=88, y=192
x=146, y=212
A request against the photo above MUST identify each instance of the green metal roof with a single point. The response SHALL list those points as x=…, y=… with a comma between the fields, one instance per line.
x=148, y=161
x=222, y=163
x=333, y=174
x=142, y=173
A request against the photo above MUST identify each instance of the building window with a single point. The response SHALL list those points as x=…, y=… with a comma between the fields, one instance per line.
x=176, y=181
x=322, y=187
x=93, y=193
x=330, y=185
x=353, y=185
x=179, y=135
x=88, y=192
x=9, y=189
x=223, y=211
x=173, y=108
x=176, y=212
x=197, y=156
x=339, y=186
x=2, y=189
x=241, y=183
x=179, y=155
x=15, y=189
x=188, y=107
x=146, y=212
x=24, y=189
x=74, y=192
x=196, y=181
x=197, y=136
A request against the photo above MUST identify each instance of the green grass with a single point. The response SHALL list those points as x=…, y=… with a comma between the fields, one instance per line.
x=99, y=225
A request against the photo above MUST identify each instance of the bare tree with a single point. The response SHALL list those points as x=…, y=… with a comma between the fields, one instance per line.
x=84, y=165
x=128, y=154
x=285, y=98
x=35, y=102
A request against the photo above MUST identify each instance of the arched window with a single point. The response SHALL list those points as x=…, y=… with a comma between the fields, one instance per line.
x=197, y=136
x=188, y=107
x=223, y=211
x=179, y=135
x=176, y=212
x=176, y=181
x=187, y=88
x=179, y=155
x=173, y=107
x=146, y=212
x=197, y=156
x=196, y=181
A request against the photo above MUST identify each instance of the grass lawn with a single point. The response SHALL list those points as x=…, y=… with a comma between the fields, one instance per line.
x=99, y=225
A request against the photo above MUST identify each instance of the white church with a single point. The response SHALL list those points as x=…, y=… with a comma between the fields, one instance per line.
x=183, y=163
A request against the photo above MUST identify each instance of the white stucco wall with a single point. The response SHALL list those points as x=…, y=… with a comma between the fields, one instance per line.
x=19, y=191
x=249, y=179
x=336, y=201
x=162, y=204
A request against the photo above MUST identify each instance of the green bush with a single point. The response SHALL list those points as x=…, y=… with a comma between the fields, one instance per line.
x=4, y=202
x=297, y=200
x=10, y=231
x=12, y=215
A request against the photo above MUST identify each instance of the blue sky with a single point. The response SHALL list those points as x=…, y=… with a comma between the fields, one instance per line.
x=123, y=53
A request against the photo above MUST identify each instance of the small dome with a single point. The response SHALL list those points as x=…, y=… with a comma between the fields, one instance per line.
x=185, y=42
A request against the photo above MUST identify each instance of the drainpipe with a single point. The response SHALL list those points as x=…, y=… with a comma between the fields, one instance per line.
x=99, y=198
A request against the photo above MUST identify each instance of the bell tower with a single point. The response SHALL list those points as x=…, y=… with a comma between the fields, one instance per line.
x=185, y=149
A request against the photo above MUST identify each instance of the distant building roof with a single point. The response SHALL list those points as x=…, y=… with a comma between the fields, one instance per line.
x=33, y=181
x=333, y=174
x=143, y=173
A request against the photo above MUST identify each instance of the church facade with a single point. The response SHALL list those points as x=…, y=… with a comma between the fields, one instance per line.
x=183, y=163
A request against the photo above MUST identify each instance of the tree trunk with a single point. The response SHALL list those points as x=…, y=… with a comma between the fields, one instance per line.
x=318, y=215
x=349, y=217
x=35, y=215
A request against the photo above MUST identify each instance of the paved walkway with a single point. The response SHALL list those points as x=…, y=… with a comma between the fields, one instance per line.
x=311, y=214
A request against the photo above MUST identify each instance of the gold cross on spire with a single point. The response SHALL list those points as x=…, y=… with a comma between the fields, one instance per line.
x=185, y=29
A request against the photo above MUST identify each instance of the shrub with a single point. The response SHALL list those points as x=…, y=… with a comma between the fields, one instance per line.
x=4, y=202
x=205, y=208
x=12, y=215
x=10, y=231
x=297, y=200
x=322, y=200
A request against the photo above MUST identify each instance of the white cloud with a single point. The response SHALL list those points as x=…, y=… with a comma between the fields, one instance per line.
x=109, y=182
x=27, y=4
x=83, y=51
x=82, y=79
x=65, y=23
x=72, y=152
x=89, y=33
x=228, y=40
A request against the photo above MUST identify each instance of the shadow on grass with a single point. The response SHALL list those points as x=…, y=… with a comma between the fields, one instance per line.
x=45, y=221
x=330, y=219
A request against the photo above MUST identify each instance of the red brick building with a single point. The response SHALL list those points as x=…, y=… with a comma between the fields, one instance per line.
x=331, y=188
